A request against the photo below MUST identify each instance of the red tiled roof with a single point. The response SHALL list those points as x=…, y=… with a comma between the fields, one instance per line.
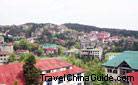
x=13, y=72
x=50, y=49
x=51, y=63
x=18, y=51
x=3, y=53
x=135, y=75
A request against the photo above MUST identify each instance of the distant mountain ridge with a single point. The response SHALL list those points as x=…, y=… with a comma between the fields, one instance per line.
x=28, y=28
x=88, y=28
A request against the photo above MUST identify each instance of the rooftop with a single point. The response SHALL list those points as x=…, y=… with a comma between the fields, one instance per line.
x=13, y=72
x=130, y=57
x=48, y=45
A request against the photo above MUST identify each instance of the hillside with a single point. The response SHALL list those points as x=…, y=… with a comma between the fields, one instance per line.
x=29, y=29
x=87, y=28
x=33, y=28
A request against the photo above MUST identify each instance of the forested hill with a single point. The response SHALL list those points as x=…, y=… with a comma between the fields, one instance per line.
x=88, y=28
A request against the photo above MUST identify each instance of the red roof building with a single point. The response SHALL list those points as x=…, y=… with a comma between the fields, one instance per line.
x=135, y=75
x=22, y=51
x=103, y=35
x=13, y=72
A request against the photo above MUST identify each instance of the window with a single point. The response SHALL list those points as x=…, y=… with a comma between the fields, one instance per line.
x=60, y=81
x=48, y=71
x=79, y=84
x=58, y=69
x=79, y=74
x=115, y=71
x=48, y=82
x=67, y=68
x=109, y=70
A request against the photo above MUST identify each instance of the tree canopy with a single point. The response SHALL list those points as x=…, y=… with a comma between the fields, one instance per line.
x=31, y=73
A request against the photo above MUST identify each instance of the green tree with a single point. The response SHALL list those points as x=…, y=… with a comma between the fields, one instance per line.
x=39, y=52
x=92, y=67
x=77, y=45
x=22, y=57
x=12, y=58
x=31, y=73
x=61, y=50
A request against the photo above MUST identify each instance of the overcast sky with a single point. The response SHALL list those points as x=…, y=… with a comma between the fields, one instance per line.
x=102, y=13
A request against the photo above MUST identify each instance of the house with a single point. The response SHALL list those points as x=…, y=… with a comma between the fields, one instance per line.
x=59, y=41
x=91, y=53
x=135, y=75
x=87, y=43
x=50, y=67
x=50, y=48
x=21, y=51
x=114, y=39
x=4, y=57
x=71, y=52
x=8, y=47
x=102, y=36
x=31, y=40
x=121, y=64
x=1, y=38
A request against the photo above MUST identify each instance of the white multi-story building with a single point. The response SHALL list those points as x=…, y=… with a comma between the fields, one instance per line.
x=91, y=53
x=86, y=43
x=4, y=57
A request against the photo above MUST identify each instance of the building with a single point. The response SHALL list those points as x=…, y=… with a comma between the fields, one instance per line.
x=4, y=57
x=91, y=53
x=122, y=64
x=1, y=38
x=95, y=38
x=102, y=36
x=71, y=52
x=8, y=47
x=135, y=75
x=87, y=43
x=31, y=40
x=50, y=48
x=50, y=67
x=114, y=39
x=21, y=51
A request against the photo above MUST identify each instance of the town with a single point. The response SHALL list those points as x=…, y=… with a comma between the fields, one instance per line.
x=30, y=50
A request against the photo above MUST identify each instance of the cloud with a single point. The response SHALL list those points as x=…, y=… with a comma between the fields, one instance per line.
x=103, y=13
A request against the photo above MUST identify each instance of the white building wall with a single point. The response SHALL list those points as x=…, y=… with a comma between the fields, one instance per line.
x=113, y=74
x=4, y=58
x=94, y=52
x=66, y=82
x=6, y=48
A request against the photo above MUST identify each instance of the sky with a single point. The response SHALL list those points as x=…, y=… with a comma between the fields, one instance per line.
x=122, y=14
